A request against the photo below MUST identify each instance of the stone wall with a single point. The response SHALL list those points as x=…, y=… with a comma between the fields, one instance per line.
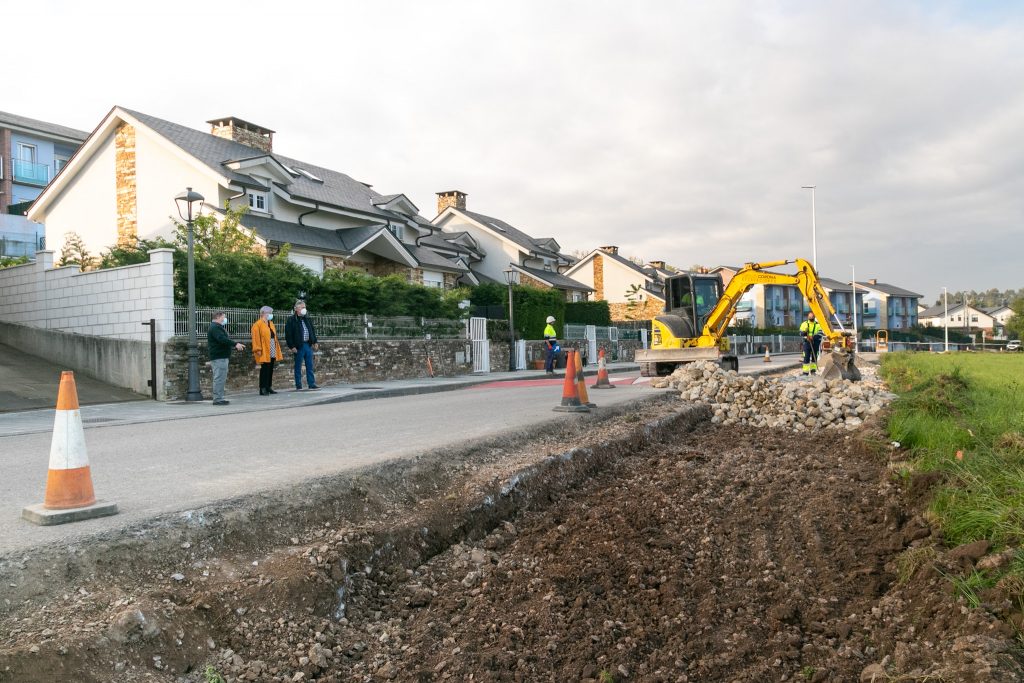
x=354, y=361
x=108, y=303
x=262, y=139
x=127, y=188
x=647, y=309
x=598, y=265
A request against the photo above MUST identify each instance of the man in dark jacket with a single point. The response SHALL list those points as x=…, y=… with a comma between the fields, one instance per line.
x=301, y=339
x=220, y=345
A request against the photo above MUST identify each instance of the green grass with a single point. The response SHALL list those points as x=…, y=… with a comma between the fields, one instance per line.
x=973, y=403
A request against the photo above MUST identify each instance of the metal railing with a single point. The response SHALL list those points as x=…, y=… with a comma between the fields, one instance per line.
x=30, y=172
x=330, y=327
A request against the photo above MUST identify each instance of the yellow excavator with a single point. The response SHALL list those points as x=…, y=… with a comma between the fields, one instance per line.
x=698, y=310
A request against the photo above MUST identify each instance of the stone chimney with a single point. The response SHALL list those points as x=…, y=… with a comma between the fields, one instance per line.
x=456, y=198
x=613, y=250
x=249, y=134
x=660, y=265
x=873, y=281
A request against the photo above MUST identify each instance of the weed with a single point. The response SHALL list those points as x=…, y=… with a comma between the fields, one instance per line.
x=912, y=559
x=210, y=675
x=808, y=672
x=969, y=587
x=605, y=676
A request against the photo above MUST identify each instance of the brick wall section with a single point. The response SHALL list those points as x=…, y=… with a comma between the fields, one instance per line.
x=446, y=199
x=528, y=281
x=598, y=277
x=6, y=189
x=127, y=187
x=108, y=303
x=645, y=310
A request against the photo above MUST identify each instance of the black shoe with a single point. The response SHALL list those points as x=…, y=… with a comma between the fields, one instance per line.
x=221, y=403
x=263, y=392
x=314, y=386
x=271, y=391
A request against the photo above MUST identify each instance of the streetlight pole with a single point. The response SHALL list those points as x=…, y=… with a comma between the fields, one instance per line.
x=186, y=201
x=814, y=229
x=945, y=316
x=512, y=278
x=853, y=306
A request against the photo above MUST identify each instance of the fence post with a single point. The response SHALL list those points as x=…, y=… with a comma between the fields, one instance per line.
x=366, y=326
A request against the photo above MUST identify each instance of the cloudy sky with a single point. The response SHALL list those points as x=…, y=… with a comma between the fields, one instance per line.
x=680, y=131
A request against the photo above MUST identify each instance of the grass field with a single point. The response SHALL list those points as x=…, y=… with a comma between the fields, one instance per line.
x=972, y=404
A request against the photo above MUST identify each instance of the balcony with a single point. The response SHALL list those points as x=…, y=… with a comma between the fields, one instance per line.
x=30, y=173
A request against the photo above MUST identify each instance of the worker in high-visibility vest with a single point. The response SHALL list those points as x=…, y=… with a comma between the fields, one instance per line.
x=551, y=345
x=811, y=331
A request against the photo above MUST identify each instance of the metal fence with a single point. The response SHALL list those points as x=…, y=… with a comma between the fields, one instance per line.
x=574, y=331
x=333, y=327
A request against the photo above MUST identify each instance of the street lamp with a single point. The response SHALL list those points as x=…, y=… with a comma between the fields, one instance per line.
x=512, y=278
x=187, y=209
x=814, y=228
x=945, y=316
x=853, y=305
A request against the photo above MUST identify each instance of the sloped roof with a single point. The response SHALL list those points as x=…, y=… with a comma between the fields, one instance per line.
x=431, y=259
x=8, y=119
x=512, y=233
x=337, y=189
x=891, y=290
x=829, y=283
x=556, y=280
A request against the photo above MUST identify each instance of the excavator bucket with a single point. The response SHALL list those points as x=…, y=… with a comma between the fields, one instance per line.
x=839, y=364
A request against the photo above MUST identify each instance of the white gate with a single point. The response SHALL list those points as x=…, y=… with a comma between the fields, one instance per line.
x=590, y=334
x=481, y=348
x=520, y=354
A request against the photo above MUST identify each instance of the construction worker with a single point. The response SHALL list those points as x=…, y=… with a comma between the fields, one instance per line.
x=811, y=331
x=551, y=342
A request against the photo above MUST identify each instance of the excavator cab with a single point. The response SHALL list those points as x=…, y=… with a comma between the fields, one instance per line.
x=690, y=298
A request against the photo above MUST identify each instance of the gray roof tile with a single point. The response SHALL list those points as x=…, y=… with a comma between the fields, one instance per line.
x=512, y=233
x=7, y=119
x=556, y=280
x=891, y=290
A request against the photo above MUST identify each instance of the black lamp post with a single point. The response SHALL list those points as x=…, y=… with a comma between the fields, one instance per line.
x=186, y=202
x=512, y=278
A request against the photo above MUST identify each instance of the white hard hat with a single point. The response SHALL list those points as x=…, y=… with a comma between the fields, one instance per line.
x=551, y=319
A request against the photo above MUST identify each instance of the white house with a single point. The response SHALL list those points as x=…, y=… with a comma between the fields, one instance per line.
x=633, y=292
x=957, y=317
x=120, y=187
x=499, y=246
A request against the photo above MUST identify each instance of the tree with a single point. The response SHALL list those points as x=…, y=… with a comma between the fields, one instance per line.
x=74, y=252
x=1015, y=325
x=127, y=255
x=8, y=261
x=217, y=234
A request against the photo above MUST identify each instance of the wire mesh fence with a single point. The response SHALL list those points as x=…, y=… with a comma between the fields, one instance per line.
x=333, y=327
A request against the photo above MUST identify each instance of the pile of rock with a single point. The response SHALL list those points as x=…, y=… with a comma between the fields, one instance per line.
x=792, y=402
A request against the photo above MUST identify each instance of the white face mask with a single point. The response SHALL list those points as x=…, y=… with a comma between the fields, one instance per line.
x=270, y=316
x=224, y=320
x=302, y=311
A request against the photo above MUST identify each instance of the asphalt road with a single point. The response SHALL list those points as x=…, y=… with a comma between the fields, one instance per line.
x=167, y=466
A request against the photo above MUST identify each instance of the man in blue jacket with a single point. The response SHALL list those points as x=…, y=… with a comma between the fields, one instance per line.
x=301, y=339
x=219, y=345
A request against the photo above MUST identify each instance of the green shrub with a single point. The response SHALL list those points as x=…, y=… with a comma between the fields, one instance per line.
x=588, y=313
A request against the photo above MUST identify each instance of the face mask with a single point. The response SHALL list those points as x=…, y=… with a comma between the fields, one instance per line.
x=270, y=316
x=302, y=311
x=224, y=321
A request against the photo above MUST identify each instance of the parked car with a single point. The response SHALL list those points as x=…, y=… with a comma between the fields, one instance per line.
x=1013, y=345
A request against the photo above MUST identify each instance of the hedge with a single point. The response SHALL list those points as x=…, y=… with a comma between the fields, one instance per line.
x=588, y=313
x=532, y=306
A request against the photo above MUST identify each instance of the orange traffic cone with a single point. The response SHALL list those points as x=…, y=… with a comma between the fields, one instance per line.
x=767, y=356
x=581, y=384
x=602, y=374
x=69, y=494
x=570, y=389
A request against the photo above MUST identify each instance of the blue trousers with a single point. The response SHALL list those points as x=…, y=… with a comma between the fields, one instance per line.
x=549, y=361
x=305, y=353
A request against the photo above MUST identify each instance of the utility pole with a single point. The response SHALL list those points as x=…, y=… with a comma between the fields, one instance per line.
x=945, y=316
x=853, y=306
x=814, y=229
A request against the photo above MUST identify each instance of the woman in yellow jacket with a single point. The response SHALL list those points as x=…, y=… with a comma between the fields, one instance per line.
x=266, y=349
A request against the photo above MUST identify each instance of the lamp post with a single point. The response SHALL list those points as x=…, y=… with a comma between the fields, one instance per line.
x=186, y=202
x=853, y=305
x=512, y=278
x=814, y=228
x=945, y=316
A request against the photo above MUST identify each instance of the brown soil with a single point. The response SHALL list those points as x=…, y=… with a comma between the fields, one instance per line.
x=718, y=555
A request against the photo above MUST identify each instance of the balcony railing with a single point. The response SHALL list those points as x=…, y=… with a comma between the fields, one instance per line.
x=30, y=173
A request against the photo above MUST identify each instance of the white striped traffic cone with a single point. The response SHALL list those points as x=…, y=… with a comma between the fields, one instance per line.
x=69, y=493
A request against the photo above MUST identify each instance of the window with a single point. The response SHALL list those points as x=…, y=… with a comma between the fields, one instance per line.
x=27, y=152
x=314, y=263
x=974, y=318
x=398, y=231
x=59, y=162
x=433, y=278
x=258, y=201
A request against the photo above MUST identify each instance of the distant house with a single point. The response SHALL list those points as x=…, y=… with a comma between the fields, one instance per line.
x=499, y=246
x=840, y=295
x=121, y=185
x=633, y=291
x=991, y=319
x=31, y=153
x=888, y=306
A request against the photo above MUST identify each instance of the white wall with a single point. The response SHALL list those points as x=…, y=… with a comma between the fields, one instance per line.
x=87, y=205
x=499, y=252
x=108, y=303
x=617, y=280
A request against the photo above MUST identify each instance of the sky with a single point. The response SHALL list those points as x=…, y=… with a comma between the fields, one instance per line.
x=678, y=131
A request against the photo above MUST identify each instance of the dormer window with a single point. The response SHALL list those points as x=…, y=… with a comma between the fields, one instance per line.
x=259, y=201
x=398, y=231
